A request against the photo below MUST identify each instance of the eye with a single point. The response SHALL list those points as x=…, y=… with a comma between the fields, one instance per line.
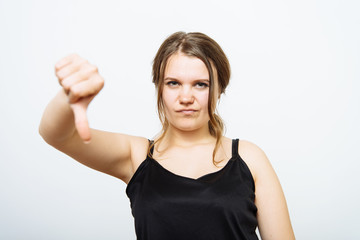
x=201, y=85
x=172, y=83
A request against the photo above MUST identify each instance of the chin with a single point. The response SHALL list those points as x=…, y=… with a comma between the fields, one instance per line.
x=188, y=127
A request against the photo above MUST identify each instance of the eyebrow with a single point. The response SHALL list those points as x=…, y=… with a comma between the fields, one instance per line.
x=197, y=80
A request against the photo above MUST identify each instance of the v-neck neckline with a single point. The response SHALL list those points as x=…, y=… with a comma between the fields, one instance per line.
x=190, y=178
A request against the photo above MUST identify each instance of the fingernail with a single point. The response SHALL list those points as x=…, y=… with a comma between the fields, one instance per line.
x=87, y=141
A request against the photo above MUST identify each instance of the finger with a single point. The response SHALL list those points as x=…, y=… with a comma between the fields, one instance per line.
x=82, y=74
x=65, y=61
x=81, y=122
x=69, y=69
x=85, y=89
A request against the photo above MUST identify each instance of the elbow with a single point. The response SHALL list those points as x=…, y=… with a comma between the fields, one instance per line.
x=43, y=134
x=53, y=137
x=46, y=134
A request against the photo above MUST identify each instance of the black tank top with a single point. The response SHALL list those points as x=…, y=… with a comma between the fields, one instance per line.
x=218, y=205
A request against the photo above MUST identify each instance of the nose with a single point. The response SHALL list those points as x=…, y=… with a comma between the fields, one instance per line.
x=186, y=96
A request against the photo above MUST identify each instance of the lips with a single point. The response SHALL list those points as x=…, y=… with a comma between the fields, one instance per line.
x=187, y=111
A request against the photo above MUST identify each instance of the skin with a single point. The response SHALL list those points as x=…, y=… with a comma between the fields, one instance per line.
x=185, y=94
x=64, y=125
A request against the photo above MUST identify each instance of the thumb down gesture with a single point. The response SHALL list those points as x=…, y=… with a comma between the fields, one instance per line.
x=81, y=82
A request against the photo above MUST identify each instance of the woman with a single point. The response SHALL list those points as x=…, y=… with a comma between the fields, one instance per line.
x=191, y=182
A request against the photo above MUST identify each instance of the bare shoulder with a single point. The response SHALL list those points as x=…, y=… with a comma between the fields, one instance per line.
x=254, y=157
x=139, y=151
x=273, y=217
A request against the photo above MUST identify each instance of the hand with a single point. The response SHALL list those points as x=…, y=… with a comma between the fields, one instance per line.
x=81, y=82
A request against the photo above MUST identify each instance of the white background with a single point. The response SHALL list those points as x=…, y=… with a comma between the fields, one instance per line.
x=294, y=92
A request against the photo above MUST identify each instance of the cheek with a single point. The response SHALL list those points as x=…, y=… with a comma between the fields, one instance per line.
x=203, y=99
x=168, y=98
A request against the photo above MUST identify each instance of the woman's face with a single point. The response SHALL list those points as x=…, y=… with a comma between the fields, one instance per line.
x=186, y=92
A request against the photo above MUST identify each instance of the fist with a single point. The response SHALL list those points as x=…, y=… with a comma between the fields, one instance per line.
x=78, y=77
x=81, y=82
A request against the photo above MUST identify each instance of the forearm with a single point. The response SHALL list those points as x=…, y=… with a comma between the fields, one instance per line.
x=57, y=123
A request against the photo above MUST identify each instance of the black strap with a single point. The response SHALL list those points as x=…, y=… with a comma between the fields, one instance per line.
x=235, y=147
x=152, y=148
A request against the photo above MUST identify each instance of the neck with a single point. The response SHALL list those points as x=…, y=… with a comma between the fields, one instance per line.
x=177, y=137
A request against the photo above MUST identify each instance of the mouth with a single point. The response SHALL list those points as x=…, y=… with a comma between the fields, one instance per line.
x=187, y=111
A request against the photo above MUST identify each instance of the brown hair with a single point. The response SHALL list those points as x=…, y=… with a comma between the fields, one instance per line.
x=198, y=45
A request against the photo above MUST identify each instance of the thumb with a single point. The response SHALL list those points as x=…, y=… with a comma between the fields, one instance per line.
x=81, y=121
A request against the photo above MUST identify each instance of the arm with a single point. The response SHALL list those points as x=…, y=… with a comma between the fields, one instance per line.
x=273, y=217
x=64, y=124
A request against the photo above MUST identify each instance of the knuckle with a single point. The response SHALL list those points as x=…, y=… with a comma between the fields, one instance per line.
x=101, y=82
x=74, y=91
x=66, y=87
x=85, y=63
x=59, y=81
x=82, y=62
x=65, y=84
x=93, y=68
x=57, y=67
x=98, y=83
x=60, y=74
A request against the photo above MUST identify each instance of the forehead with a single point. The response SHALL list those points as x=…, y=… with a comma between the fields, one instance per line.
x=183, y=67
